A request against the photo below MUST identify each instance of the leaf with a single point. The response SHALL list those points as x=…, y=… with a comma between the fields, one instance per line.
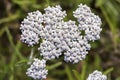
x=108, y=71
x=111, y=13
x=99, y=3
x=10, y=18
x=21, y=62
x=10, y=38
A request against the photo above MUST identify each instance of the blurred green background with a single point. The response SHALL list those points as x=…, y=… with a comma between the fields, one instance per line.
x=104, y=55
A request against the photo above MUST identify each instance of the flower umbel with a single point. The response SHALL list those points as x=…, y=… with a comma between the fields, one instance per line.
x=59, y=36
x=31, y=28
x=37, y=69
x=89, y=22
x=96, y=75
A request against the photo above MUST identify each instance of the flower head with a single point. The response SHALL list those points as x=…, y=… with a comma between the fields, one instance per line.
x=96, y=75
x=60, y=37
x=53, y=15
x=63, y=37
x=88, y=22
x=37, y=69
x=31, y=28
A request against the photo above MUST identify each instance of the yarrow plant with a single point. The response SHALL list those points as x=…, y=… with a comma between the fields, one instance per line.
x=59, y=37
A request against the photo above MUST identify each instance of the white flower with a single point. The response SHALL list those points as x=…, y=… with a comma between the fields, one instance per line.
x=88, y=22
x=37, y=69
x=48, y=50
x=53, y=14
x=77, y=47
x=63, y=37
x=31, y=28
x=97, y=75
x=29, y=37
x=59, y=36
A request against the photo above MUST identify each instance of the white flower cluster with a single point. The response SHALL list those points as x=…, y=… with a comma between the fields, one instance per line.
x=96, y=75
x=88, y=22
x=31, y=28
x=37, y=69
x=53, y=15
x=64, y=37
x=75, y=46
x=59, y=37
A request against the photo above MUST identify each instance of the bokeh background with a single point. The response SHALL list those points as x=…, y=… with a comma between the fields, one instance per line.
x=104, y=54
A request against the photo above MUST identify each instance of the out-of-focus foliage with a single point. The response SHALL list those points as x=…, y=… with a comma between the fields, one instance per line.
x=104, y=56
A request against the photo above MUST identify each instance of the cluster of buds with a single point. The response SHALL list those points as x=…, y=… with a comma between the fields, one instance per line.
x=59, y=37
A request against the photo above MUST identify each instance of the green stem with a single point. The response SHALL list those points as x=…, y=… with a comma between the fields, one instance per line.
x=54, y=66
x=68, y=71
x=12, y=44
